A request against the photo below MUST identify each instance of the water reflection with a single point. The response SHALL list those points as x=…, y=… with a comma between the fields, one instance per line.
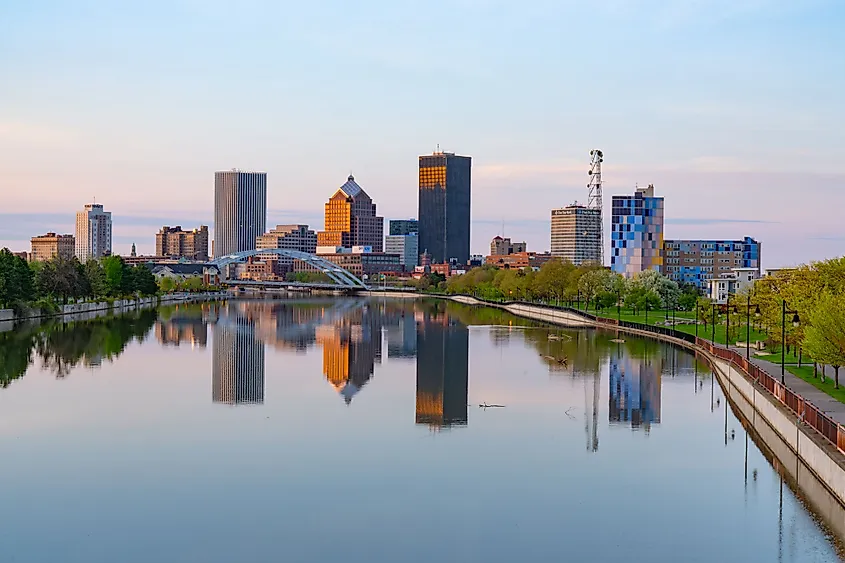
x=635, y=385
x=442, y=371
x=61, y=347
x=562, y=389
x=238, y=359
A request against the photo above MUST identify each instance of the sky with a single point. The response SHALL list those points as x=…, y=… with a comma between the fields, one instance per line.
x=733, y=109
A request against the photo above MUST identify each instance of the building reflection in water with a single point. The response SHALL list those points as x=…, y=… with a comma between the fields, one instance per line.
x=635, y=391
x=442, y=372
x=238, y=359
x=401, y=333
x=351, y=347
x=175, y=331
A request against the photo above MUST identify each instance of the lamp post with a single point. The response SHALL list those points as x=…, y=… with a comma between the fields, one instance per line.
x=748, y=326
x=795, y=322
x=618, y=306
x=696, y=320
x=713, y=323
x=646, y=311
x=728, y=322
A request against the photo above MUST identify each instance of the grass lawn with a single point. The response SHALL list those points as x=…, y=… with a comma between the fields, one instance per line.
x=806, y=373
x=790, y=358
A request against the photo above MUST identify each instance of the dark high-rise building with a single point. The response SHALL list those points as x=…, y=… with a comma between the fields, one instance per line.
x=238, y=362
x=404, y=226
x=240, y=210
x=444, y=206
x=442, y=373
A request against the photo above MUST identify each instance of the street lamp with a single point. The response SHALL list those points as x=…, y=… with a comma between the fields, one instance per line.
x=748, y=326
x=696, y=321
x=618, y=306
x=713, y=323
x=728, y=322
x=795, y=322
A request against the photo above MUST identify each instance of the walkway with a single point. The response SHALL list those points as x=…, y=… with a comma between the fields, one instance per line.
x=824, y=402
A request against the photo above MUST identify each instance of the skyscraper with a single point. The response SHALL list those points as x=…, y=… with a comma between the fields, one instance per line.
x=240, y=210
x=93, y=232
x=636, y=238
x=351, y=219
x=576, y=234
x=444, y=206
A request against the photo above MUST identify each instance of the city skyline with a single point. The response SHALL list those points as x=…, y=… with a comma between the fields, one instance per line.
x=704, y=126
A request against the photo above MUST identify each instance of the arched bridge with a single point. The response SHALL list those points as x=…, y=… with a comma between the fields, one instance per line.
x=338, y=275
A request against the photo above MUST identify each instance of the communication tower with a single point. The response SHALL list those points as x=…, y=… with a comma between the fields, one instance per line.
x=596, y=226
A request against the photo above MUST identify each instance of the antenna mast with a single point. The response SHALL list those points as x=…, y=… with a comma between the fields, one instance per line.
x=596, y=223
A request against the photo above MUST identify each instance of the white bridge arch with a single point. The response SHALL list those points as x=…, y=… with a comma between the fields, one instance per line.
x=337, y=274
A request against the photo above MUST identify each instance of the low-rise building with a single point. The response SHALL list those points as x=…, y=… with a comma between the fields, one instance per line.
x=406, y=246
x=504, y=246
x=262, y=269
x=48, y=246
x=518, y=260
x=290, y=237
x=173, y=242
x=718, y=289
x=359, y=260
x=696, y=262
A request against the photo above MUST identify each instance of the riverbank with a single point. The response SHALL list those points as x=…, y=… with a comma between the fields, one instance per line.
x=87, y=311
x=772, y=409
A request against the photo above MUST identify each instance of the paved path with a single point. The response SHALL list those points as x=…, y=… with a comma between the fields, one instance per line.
x=824, y=402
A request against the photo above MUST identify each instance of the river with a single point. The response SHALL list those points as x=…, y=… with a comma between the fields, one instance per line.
x=377, y=430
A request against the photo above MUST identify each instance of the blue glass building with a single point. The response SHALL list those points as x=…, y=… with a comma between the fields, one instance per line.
x=636, y=233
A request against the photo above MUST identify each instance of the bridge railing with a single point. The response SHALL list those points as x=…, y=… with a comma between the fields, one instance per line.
x=803, y=409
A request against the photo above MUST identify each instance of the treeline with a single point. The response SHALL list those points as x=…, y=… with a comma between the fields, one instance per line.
x=803, y=308
x=589, y=286
x=806, y=305
x=62, y=347
x=59, y=280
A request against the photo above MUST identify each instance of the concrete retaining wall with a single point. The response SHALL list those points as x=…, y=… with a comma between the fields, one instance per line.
x=84, y=311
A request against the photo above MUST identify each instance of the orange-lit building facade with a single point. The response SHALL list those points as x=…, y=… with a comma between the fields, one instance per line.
x=351, y=219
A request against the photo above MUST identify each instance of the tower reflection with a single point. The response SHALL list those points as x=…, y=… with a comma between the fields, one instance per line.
x=442, y=371
x=635, y=384
x=351, y=347
x=238, y=359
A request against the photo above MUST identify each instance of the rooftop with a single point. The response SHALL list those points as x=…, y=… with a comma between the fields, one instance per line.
x=351, y=188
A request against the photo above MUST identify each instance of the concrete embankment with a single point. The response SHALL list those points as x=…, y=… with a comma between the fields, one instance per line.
x=816, y=465
x=87, y=311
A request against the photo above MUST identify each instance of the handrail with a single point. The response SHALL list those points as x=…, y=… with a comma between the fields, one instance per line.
x=805, y=410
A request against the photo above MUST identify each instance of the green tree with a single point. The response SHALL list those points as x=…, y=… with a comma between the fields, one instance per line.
x=95, y=277
x=688, y=298
x=16, y=282
x=144, y=281
x=166, y=284
x=655, y=282
x=60, y=279
x=705, y=311
x=113, y=270
x=824, y=338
